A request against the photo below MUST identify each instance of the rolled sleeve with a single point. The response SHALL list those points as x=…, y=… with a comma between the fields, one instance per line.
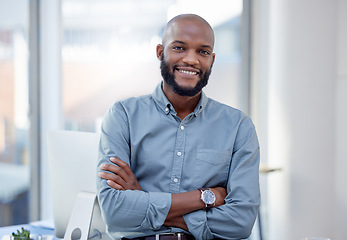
x=134, y=211
x=197, y=225
x=158, y=208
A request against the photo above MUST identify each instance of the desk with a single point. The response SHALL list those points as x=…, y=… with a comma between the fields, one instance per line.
x=37, y=228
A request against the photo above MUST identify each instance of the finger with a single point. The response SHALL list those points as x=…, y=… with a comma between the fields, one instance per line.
x=113, y=177
x=114, y=185
x=125, y=166
x=127, y=174
x=116, y=170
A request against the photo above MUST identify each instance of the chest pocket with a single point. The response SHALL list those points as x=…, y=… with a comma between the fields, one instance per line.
x=212, y=167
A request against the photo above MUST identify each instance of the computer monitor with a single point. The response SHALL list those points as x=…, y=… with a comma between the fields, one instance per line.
x=72, y=164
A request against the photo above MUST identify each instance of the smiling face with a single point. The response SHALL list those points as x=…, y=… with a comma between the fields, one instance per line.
x=187, y=54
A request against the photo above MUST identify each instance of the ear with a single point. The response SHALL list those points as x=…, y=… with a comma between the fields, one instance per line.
x=160, y=50
x=213, y=58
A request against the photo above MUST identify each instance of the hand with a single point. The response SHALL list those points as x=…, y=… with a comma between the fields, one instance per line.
x=119, y=177
x=220, y=194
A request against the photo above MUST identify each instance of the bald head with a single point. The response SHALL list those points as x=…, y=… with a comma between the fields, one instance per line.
x=186, y=55
x=185, y=19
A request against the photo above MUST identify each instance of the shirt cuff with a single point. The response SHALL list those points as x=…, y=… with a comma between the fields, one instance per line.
x=158, y=209
x=197, y=225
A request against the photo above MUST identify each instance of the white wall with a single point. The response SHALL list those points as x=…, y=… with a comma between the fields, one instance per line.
x=299, y=98
x=341, y=123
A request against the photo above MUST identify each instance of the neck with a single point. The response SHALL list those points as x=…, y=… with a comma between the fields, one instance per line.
x=184, y=105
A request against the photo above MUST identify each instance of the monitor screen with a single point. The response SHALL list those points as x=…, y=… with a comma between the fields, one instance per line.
x=73, y=160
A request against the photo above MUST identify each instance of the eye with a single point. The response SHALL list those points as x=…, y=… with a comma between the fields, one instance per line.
x=205, y=52
x=177, y=48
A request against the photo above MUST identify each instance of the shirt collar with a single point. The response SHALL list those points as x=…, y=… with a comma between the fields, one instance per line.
x=201, y=104
x=165, y=105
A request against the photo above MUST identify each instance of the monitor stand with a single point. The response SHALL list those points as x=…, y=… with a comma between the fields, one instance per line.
x=85, y=221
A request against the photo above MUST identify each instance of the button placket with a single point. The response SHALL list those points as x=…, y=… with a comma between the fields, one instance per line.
x=178, y=160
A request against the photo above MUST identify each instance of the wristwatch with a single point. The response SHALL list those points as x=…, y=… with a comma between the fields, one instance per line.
x=208, y=197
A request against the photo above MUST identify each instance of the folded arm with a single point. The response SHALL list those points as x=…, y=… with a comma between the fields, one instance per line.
x=121, y=177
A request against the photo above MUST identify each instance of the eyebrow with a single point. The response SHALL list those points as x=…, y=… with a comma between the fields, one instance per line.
x=181, y=42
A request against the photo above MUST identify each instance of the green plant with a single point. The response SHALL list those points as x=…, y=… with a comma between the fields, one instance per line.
x=24, y=234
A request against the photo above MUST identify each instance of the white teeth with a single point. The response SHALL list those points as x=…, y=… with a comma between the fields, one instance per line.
x=188, y=72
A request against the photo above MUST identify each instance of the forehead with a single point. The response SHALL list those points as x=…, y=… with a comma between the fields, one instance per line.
x=190, y=32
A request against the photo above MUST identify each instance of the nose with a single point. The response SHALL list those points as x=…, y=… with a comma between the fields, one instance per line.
x=191, y=58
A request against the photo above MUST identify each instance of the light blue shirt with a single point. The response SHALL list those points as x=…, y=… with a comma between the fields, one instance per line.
x=216, y=145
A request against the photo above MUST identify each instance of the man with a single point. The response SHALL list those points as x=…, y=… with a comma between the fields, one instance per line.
x=176, y=164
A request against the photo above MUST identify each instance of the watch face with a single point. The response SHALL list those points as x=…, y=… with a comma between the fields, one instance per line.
x=208, y=197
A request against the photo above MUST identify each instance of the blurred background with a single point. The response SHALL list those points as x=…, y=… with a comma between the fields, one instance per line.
x=283, y=62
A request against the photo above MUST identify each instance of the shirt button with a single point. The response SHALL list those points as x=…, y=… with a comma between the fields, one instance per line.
x=175, y=180
x=182, y=128
x=166, y=109
x=179, y=154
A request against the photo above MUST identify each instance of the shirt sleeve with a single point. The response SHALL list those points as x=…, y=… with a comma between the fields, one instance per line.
x=234, y=219
x=130, y=210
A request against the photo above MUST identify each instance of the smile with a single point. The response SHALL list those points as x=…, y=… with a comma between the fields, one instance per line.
x=188, y=72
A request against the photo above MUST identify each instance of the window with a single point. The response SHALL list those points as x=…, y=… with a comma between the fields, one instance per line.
x=109, y=47
x=14, y=123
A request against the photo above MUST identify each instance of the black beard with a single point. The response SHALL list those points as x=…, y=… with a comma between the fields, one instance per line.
x=169, y=78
